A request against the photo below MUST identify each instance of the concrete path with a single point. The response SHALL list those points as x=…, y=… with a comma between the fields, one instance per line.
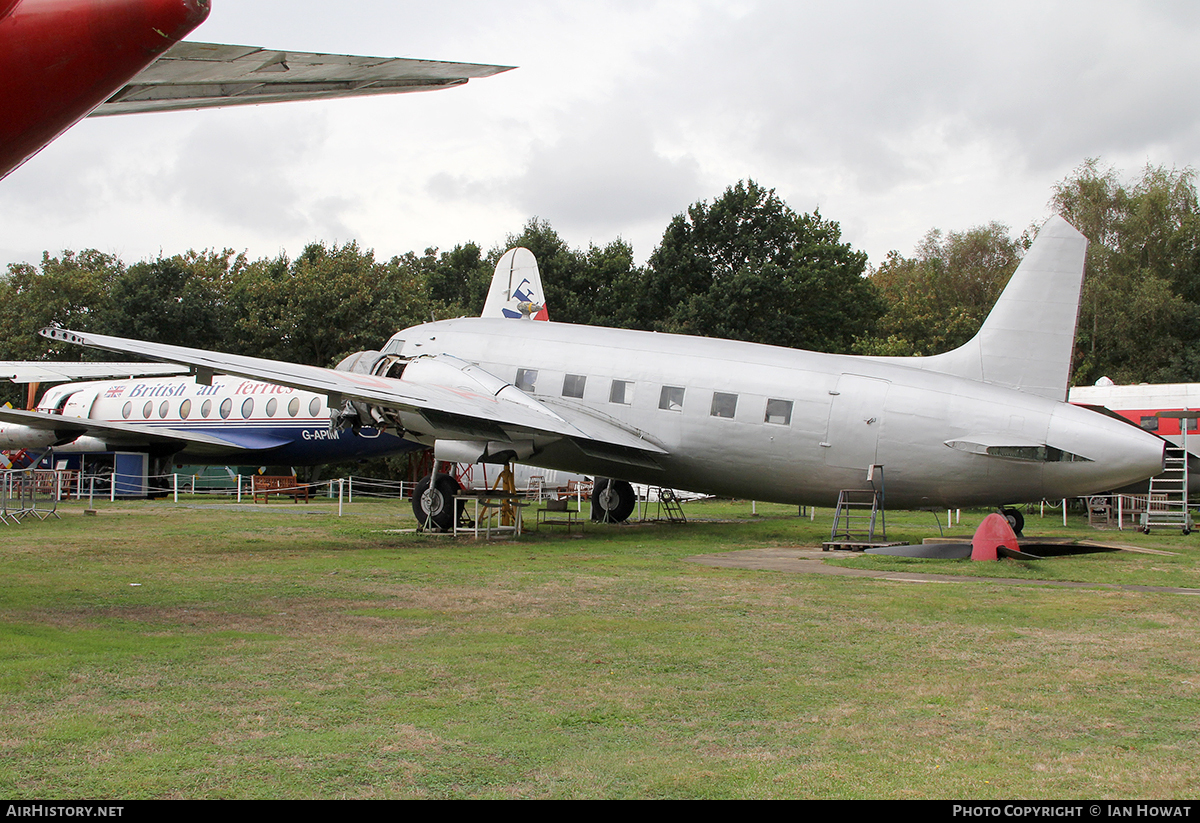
x=810, y=561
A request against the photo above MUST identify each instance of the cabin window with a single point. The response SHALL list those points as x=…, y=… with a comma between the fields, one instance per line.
x=1150, y=424
x=226, y=407
x=148, y=409
x=162, y=409
x=671, y=398
x=206, y=408
x=272, y=405
x=724, y=405
x=573, y=385
x=185, y=408
x=127, y=410
x=526, y=380
x=621, y=392
x=248, y=407
x=314, y=407
x=779, y=412
x=294, y=406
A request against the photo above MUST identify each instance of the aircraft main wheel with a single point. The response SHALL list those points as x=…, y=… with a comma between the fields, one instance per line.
x=1015, y=519
x=612, y=500
x=435, y=506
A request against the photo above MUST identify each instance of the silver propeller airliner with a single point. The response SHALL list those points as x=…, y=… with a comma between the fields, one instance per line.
x=983, y=424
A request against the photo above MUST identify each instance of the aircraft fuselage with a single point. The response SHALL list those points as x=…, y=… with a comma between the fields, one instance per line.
x=793, y=426
x=259, y=421
x=62, y=58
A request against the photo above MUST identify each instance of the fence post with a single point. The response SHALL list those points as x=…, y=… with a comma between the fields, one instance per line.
x=239, y=485
x=341, y=486
x=175, y=485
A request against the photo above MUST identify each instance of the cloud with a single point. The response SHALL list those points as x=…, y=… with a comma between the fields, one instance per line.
x=250, y=175
x=892, y=118
x=604, y=173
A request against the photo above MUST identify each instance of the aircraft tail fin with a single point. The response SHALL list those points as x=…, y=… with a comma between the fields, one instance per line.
x=1027, y=340
x=516, y=290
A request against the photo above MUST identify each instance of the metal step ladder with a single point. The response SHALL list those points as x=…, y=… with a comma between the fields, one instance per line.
x=859, y=512
x=1167, y=505
x=671, y=505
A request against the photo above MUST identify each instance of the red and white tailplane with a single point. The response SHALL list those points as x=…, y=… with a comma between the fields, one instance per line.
x=516, y=290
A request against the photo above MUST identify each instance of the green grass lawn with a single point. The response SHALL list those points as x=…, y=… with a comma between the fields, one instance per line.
x=191, y=650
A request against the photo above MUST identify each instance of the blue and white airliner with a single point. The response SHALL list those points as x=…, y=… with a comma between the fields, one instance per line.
x=216, y=419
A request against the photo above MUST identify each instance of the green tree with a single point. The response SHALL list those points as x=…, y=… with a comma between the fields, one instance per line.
x=179, y=300
x=586, y=287
x=747, y=267
x=68, y=291
x=1140, y=311
x=457, y=279
x=328, y=303
x=938, y=299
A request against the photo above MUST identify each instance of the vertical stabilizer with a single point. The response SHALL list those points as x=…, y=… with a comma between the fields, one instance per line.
x=516, y=290
x=1027, y=340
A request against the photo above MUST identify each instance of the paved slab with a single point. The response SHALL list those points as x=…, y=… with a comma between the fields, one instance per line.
x=811, y=561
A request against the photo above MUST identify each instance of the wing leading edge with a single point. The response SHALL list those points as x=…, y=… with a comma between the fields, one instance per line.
x=454, y=402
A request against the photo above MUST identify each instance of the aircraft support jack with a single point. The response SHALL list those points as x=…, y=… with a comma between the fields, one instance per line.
x=508, y=484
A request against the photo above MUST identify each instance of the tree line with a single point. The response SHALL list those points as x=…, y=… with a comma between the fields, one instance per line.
x=745, y=266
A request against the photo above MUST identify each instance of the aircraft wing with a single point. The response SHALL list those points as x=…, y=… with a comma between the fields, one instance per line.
x=33, y=371
x=120, y=434
x=205, y=75
x=448, y=411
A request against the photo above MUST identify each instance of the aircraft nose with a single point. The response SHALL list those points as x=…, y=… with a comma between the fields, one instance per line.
x=1118, y=453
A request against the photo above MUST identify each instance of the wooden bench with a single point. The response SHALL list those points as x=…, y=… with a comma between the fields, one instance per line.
x=267, y=485
x=576, y=489
x=559, y=513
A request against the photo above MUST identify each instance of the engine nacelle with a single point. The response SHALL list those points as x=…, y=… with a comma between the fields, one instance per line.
x=482, y=451
x=20, y=436
x=373, y=362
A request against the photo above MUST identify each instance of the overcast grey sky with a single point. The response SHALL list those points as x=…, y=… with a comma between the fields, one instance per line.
x=891, y=117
